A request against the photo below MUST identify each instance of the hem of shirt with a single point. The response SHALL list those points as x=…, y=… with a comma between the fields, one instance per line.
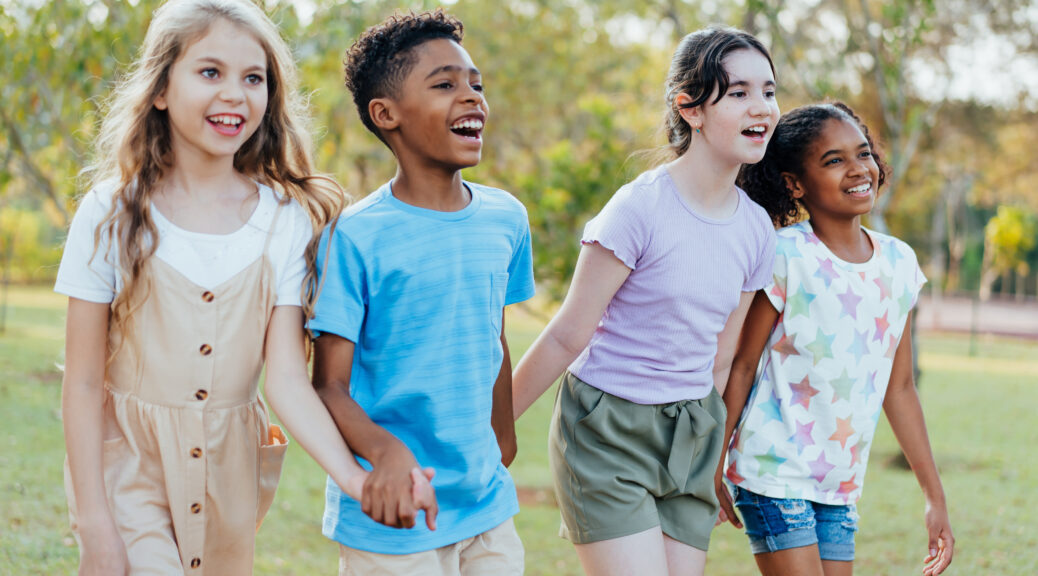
x=400, y=546
x=526, y=293
x=779, y=492
x=95, y=296
x=626, y=259
x=634, y=399
x=327, y=327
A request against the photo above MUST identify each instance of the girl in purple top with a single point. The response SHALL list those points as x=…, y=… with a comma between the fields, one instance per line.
x=648, y=329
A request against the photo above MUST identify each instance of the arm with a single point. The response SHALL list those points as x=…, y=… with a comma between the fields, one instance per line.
x=82, y=402
x=727, y=340
x=760, y=320
x=905, y=414
x=598, y=275
x=297, y=405
x=395, y=488
x=501, y=416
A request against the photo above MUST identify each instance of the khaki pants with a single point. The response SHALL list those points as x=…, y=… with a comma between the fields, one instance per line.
x=496, y=552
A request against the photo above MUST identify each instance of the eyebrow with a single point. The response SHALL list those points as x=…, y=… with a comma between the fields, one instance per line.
x=218, y=62
x=834, y=151
x=745, y=84
x=451, y=68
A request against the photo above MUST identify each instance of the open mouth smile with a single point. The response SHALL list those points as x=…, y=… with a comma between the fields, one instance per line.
x=468, y=128
x=227, y=124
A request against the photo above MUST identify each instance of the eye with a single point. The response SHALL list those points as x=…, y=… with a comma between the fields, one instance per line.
x=477, y=87
x=254, y=79
x=866, y=154
x=832, y=161
x=210, y=73
x=444, y=85
x=737, y=93
x=769, y=94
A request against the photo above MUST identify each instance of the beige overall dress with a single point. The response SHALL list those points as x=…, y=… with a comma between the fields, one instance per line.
x=191, y=461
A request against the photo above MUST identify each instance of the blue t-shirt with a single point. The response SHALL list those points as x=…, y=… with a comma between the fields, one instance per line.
x=421, y=293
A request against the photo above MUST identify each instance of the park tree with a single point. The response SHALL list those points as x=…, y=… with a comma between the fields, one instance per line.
x=1009, y=237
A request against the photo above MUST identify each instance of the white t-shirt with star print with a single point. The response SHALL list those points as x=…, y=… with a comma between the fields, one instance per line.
x=810, y=418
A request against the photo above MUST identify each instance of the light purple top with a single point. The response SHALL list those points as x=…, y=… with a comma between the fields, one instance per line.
x=657, y=340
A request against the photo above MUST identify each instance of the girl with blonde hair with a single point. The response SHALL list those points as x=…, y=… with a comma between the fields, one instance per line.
x=187, y=265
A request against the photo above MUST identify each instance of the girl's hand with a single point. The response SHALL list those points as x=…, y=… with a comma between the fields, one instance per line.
x=390, y=488
x=423, y=495
x=724, y=497
x=942, y=542
x=102, y=552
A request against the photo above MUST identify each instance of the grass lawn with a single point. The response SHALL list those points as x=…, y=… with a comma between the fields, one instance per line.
x=979, y=410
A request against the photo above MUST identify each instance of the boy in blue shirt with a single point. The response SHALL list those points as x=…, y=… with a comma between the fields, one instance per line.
x=412, y=360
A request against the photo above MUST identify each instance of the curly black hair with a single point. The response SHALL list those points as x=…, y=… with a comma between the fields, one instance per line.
x=795, y=132
x=377, y=63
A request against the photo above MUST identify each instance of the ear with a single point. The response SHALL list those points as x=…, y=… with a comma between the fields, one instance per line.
x=693, y=116
x=160, y=101
x=792, y=184
x=384, y=114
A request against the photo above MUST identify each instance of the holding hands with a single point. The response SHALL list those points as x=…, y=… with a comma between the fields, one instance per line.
x=397, y=488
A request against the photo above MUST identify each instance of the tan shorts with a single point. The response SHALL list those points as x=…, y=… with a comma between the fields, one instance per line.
x=497, y=551
x=621, y=468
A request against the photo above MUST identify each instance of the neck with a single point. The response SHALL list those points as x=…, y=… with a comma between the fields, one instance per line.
x=431, y=188
x=205, y=181
x=705, y=182
x=843, y=237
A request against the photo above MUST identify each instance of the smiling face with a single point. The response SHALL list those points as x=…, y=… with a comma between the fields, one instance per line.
x=216, y=95
x=438, y=115
x=839, y=177
x=738, y=126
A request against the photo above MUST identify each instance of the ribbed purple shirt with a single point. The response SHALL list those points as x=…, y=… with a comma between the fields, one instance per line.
x=657, y=340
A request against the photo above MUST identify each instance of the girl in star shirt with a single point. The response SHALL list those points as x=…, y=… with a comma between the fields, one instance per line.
x=830, y=327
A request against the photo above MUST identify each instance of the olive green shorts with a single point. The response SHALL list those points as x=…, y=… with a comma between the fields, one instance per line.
x=621, y=468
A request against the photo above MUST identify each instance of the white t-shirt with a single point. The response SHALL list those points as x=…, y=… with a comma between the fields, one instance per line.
x=208, y=260
x=811, y=416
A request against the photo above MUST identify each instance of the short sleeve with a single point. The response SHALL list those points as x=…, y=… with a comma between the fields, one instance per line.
x=342, y=287
x=619, y=227
x=520, y=269
x=761, y=276
x=776, y=288
x=298, y=232
x=85, y=273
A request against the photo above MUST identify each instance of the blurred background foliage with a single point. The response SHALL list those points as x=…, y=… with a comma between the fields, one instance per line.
x=575, y=89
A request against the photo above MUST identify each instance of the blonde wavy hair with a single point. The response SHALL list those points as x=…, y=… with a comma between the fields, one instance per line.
x=133, y=147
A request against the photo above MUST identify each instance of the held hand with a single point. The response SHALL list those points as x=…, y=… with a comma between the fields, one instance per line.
x=941, y=540
x=102, y=553
x=423, y=495
x=387, y=494
x=354, y=485
x=724, y=497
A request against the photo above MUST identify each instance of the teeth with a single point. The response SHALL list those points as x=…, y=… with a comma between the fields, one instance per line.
x=860, y=189
x=468, y=125
x=227, y=119
x=760, y=129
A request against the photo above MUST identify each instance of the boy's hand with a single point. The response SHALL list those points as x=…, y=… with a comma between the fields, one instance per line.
x=941, y=540
x=390, y=489
x=507, y=443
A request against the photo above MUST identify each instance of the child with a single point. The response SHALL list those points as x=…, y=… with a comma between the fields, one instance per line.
x=184, y=269
x=832, y=321
x=648, y=328
x=415, y=280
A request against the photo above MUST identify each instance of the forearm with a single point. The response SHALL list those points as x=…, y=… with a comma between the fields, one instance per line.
x=736, y=392
x=502, y=417
x=367, y=439
x=81, y=412
x=305, y=417
x=552, y=352
x=905, y=414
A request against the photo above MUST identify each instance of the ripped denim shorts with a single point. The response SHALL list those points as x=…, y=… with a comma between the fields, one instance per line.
x=774, y=524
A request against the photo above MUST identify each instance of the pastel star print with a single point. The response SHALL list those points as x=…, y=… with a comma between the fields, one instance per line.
x=820, y=391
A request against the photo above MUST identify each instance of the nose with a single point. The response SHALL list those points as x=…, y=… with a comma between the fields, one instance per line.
x=760, y=107
x=232, y=91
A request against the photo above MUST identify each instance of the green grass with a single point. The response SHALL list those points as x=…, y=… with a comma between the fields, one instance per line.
x=979, y=411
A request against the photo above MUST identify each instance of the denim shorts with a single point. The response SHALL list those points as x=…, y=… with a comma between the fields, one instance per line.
x=774, y=524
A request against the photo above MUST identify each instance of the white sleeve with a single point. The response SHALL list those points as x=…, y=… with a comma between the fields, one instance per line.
x=85, y=273
x=293, y=231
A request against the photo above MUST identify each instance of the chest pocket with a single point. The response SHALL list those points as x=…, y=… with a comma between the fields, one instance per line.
x=498, y=288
